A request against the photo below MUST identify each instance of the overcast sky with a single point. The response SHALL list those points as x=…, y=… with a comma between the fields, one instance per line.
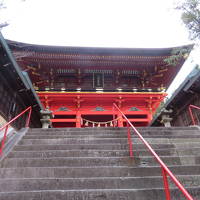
x=99, y=23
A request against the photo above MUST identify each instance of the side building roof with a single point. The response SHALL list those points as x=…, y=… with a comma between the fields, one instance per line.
x=189, y=86
x=18, y=84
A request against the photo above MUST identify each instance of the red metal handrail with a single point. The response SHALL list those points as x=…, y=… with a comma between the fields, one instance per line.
x=191, y=114
x=7, y=124
x=165, y=169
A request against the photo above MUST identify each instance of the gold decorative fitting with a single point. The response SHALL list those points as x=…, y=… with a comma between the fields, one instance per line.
x=32, y=68
x=163, y=70
x=35, y=73
x=158, y=76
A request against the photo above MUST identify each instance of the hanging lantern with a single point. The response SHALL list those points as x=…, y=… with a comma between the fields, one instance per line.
x=99, y=125
x=111, y=124
x=93, y=124
x=106, y=125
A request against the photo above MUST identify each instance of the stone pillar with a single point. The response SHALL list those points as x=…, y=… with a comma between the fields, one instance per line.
x=165, y=118
x=46, y=116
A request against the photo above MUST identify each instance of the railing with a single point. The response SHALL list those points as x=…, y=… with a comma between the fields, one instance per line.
x=7, y=125
x=191, y=114
x=165, y=170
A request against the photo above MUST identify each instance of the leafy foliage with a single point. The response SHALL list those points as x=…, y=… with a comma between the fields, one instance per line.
x=176, y=55
x=191, y=17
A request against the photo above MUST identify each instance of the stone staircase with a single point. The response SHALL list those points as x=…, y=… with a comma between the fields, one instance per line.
x=94, y=164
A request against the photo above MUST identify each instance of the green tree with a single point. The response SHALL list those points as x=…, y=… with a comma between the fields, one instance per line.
x=191, y=17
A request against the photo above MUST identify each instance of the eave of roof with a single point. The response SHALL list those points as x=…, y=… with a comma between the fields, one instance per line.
x=95, y=50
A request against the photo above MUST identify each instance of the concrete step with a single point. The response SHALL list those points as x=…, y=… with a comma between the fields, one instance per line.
x=88, y=172
x=97, y=161
x=116, y=129
x=93, y=163
x=116, y=146
x=101, y=194
x=33, y=184
x=170, y=152
x=67, y=153
x=186, y=145
x=114, y=132
x=124, y=136
x=67, y=162
x=101, y=153
x=103, y=141
x=93, y=140
x=113, y=129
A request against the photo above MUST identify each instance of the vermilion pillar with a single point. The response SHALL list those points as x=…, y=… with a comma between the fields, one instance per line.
x=78, y=119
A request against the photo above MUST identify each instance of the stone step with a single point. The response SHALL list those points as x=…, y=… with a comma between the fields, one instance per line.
x=112, y=146
x=168, y=160
x=67, y=162
x=87, y=140
x=33, y=184
x=85, y=153
x=97, y=161
x=93, y=163
x=124, y=136
x=67, y=153
x=101, y=194
x=93, y=140
x=187, y=145
x=170, y=152
x=88, y=172
x=101, y=153
x=113, y=129
x=103, y=129
x=115, y=132
x=168, y=128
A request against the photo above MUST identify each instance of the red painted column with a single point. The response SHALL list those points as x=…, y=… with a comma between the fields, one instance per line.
x=120, y=120
x=119, y=115
x=78, y=120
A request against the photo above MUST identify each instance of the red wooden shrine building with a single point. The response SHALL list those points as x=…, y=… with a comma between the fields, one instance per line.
x=81, y=84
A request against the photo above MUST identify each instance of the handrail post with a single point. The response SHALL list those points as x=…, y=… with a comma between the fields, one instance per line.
x=166, y=184
x=4, y=139
x=28, y=118
x=129, y=141
x=191, y=115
